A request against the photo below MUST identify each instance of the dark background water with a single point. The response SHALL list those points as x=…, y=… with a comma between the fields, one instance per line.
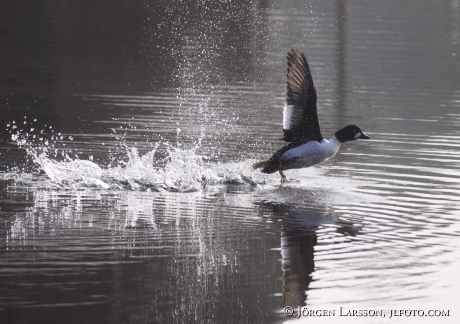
x=374, y=228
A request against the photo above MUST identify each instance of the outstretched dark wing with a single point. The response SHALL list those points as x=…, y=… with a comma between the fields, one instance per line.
x=300, y=120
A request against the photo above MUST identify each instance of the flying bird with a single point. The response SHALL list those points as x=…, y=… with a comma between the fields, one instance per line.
x=300, y=124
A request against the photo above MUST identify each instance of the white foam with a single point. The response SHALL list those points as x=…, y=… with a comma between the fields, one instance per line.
x=183, y=170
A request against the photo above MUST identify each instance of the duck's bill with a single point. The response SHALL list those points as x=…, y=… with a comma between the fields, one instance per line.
x=363, y=136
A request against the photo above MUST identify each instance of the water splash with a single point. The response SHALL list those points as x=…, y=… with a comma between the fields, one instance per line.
x=182, y=170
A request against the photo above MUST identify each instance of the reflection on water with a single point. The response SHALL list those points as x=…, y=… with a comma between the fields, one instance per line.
x=297, y=247
x=126, y=192
x=129, y=247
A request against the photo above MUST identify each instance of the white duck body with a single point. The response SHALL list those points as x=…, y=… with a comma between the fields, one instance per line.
x=310, y=153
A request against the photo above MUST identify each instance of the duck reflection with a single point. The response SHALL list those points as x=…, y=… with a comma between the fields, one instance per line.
x=297, y=255
x=298, y=240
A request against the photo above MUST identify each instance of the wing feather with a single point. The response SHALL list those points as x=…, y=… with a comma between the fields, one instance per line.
x=300, y=119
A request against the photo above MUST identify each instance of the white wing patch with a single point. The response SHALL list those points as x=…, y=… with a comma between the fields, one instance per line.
x=287, y=115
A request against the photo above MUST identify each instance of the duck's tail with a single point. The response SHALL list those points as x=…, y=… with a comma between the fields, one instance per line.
x=260, y=164
x=269, y=166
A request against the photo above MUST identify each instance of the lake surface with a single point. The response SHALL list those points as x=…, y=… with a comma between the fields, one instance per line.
x=129, y=130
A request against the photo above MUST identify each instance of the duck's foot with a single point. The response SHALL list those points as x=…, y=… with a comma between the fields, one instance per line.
x=284, y=179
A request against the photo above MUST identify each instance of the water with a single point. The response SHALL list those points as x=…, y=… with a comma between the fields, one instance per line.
x=128, y=132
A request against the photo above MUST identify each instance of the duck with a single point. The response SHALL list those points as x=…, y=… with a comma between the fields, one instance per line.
x=301, y=130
